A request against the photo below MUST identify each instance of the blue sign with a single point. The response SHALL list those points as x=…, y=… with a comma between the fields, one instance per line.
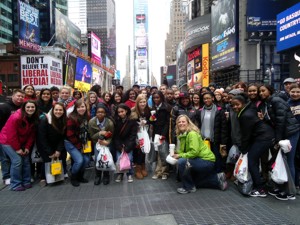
x=288, y=28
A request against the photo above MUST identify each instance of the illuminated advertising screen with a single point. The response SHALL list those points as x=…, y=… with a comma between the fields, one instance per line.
x=42, y=71
x=224, y=34
x=141, y=23
x=70, y=71
x=98, y=76
x=83, y=75
x=288, y=28
x=95, y=47
x=66, y=32
x=29, y=27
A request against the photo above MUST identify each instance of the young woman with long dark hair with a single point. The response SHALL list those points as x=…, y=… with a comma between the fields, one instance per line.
x=45, y=101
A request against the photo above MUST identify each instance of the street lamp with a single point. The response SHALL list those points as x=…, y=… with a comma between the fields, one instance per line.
x=269, y=75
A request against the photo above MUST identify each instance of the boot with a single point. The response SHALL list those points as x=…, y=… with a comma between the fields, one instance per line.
x=106, y=178
x=138, y=172
x=98, y=177
x=144, y=171
x=80, y=177
x=74, y=180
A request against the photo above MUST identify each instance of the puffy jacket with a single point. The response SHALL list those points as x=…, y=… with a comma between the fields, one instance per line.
x=278, y=113
x=178, y=110
x=192, y=146
x=94, y=129
x=49, y=139
x=18, y=132
x=161, y=125
x=252, y=128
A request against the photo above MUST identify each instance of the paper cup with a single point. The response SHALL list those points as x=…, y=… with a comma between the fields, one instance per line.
x=172, y=149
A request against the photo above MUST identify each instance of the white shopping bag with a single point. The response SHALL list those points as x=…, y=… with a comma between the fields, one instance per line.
x=241, y=168
x=279, y=173
x=104, y=161
x=144, y=140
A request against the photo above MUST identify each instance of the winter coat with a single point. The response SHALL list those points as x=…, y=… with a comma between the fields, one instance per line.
x=49, y=140
x=295, y=108
x=73, y=132
x=162, y=122
x=7, y=109
x=18, y=132
x=178, y=110
x=252, y=128
x=125, y=137
x=130, y=103
x=94, y=129
x=278, y=113
x=192, y=146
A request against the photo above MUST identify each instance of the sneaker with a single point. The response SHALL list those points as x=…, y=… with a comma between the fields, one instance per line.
x=154, y=177
x=184, y=191
x=7, y=181
x=119, y=178
x=19, y=189
x=130, y=179
x=282, y=196
x=222, y=181
x=274, y=192
x=27, y=186
x=164, y=177
x=66, y=176
x=258, y=193
x=291, y=197
x=43, y=183
x=32, y=180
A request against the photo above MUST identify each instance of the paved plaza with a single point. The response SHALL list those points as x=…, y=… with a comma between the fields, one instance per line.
x=141, y=202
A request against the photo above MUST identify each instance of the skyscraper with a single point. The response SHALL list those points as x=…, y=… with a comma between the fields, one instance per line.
x=6, y=21
x=78, y=14
x=101, y=20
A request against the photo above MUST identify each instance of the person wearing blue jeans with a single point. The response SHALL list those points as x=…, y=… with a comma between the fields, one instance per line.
x=19, y=170
x=196, y=162
x=5, y=166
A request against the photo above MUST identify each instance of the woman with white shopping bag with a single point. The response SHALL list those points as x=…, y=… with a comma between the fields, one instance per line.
x=101, y=130
x=50, y=136
x=141, y=113
x=256, y=138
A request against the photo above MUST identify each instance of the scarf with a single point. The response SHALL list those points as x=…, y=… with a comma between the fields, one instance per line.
x=214, y=110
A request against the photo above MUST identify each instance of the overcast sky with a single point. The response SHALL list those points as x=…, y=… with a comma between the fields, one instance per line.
x=159, y=17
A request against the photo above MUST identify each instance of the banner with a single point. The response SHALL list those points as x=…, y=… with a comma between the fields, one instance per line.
x=83, y=76
x=29, y=27
x=95, y=48
x=98, y=76
x=42, y=71
x=224, y=34
x=66, y=32
x=70, y=71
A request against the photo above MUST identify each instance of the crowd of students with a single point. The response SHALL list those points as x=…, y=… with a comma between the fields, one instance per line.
x=204, y=124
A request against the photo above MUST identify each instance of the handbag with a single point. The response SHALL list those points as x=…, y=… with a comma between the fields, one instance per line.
x=87, y=148
x=151, y=157
x=233, y=154
x=144, y=140
x=279, y=173
x=246, y=187
x=241, y=168
x=163, y=151
x=104, y=160
x=35, y=155
x=124, y=161
x=52, y=178
x=56, y=167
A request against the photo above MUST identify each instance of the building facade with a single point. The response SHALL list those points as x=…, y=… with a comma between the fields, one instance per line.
x=6, y=21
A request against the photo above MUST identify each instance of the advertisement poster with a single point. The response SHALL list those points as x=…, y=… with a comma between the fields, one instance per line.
x=70, y=71
x=205, y=65
x=66, y=32
x=83, y=76
x=95, y=48
x=288, y=28
x=29, y=27
x=42, y=71
x=224, y=34
x=190, y=73
x=98, y=76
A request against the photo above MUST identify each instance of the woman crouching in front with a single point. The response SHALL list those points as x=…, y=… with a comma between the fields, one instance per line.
x=196, y=162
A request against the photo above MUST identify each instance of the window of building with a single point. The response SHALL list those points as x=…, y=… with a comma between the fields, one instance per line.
x=2, y=77
x=13, y=78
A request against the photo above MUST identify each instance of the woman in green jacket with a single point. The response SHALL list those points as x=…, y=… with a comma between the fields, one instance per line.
x=194, y=157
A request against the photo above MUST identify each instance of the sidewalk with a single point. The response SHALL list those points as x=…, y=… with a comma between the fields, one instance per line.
x=141, y=202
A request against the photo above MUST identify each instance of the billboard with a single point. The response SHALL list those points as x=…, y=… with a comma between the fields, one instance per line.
x=197, y=32
x=288, y=28
x=29, y=27
x=98, y=76
x=224, y=32
x=42, y=71
x=83, y=75
x=95, y=48
x=66, y=32
x=295, y=63
x=70, y=71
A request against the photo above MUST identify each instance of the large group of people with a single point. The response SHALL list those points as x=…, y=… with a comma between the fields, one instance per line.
x=203, y=124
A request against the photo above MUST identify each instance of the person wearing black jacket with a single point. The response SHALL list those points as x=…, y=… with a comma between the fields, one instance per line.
x=6, y=109
x=257, y=138
x=184, y=107
x=213, y=127
x=277, y=112
x=50, y=136
x=125, y=137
